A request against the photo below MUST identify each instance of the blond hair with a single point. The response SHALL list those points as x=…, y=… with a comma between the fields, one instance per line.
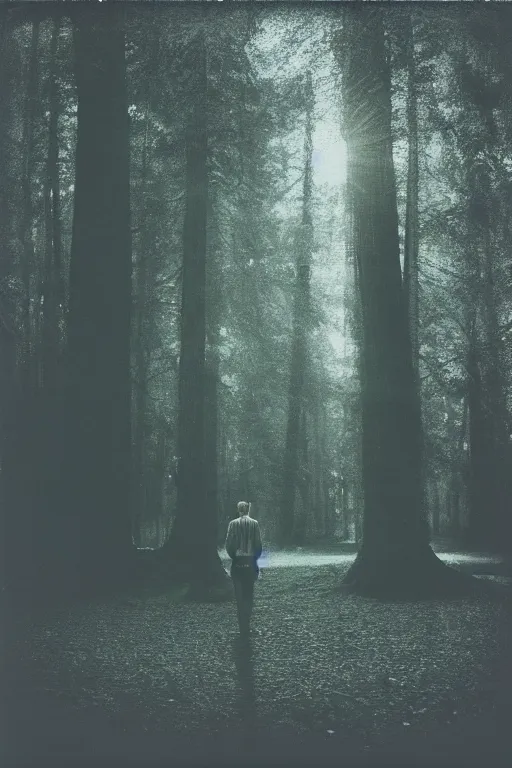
x=243, y=507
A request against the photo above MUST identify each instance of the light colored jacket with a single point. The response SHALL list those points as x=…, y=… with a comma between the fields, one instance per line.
x=243, y=538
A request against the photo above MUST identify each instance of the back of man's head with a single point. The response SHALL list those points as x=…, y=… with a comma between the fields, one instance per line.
x=243, y=508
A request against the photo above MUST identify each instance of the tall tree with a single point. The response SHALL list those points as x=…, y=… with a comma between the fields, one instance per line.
x=488, y=417
x=145, y=269
x=9, y=338
x=296, y=437
x=52, y=294
x=191, y=550
x=26, y=221
x=98, y=353
x=395, y=554
x=411, y=245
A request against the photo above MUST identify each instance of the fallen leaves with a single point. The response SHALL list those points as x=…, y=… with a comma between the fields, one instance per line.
x=321, y=659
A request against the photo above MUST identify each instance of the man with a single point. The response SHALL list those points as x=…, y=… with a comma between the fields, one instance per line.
x=243, y=545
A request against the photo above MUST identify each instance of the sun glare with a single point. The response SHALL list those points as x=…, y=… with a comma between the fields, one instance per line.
x=329, y=155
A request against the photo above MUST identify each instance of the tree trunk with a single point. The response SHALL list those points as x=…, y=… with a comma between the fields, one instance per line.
x=490, y=446
x=489, y=490
x=191, y=551
x=410, y=278
x=436, y=508
x=301, y=527
x=141, y=337
x=319, y=469
x=53, y=295
x=328, y=520
x=211, y=438
x=499, y=487
x=214, y=303
x=47, y=333
x=395, y=556
x=99, y=302
x=27, y=219
x=301, y=322
x=344, y=512
x=13, y=561
x=480, y=452
x=224, y=490
x=353, y=407
x=157, y=507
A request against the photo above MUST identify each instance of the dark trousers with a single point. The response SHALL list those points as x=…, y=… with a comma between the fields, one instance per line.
x=244, y=574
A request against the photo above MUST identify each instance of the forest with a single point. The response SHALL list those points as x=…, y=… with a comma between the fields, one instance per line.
x=254, y=251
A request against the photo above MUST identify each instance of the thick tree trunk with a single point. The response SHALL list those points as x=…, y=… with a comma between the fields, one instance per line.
x=489, y=505
x=53, y=295
x=211, y=438
x=456, y=472
x=480, y=453
x=498, y=483
x=145, y=276
x=99, y=303
x=299, y=353
x=344, y=512
x=395, y=556
x=141, y=365
x=490, y=488
x=353, y=406
x=47, y=333
x=25, y=433
x=214, y=303
x=411, y=247
x=12, y=562
x=319, y=469
x=224, y=489
x=141, y=340
x=329, y=515
x=325, y=473
x=157, y=507
x=26, y=220
x=191, y=551
x=436, y=508
x=302, y=517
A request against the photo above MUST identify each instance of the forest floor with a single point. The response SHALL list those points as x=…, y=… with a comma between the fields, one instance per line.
x=149, y=679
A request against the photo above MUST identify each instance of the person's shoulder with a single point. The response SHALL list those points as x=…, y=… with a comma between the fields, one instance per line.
x=235, y=520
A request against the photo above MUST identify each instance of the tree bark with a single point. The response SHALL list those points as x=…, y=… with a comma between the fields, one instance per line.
x=211, y=437
x=489, y=490
x=489, y=519
x=191, y=551
x=345, y=530
x=98, y=353
x=318, y=469
x=53, y=294
x=436, y=507
x=499, y=485
x=144, y=275
x=13, y=561
x=480, y=452
x=395, y=556
x=26, y=220
x=302, y=516
x=410, y=277
x=214, y=304
x=299, y=353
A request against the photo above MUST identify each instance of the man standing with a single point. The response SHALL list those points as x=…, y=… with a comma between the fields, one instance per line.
x=243, y=545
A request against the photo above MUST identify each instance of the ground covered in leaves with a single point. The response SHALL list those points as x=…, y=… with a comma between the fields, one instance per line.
x=149, y=678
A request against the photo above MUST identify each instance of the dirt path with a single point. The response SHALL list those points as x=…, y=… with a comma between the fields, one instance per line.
x=146, y=677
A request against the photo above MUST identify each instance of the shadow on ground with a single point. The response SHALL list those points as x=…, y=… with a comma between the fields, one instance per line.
x=147, y=680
